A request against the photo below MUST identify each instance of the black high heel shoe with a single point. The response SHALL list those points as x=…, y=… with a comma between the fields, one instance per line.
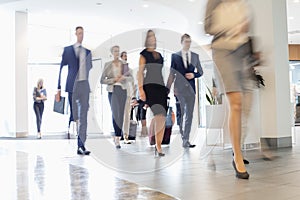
x=246, y=162
x=159, y=154
x=241, y=175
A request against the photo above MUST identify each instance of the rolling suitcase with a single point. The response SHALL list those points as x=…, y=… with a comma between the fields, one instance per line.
x=132, y=126
x=170, y=119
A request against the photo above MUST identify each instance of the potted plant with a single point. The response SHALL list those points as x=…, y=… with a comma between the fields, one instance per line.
x=215, y=111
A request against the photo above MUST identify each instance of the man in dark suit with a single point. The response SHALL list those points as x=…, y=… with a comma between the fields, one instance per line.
x=79, y=61
x=185, y=67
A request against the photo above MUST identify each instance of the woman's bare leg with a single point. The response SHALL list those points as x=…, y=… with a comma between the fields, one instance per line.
x=235, y=107
x=159, y=130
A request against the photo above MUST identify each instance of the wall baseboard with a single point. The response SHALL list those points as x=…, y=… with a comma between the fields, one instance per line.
x=21, y=134
x=275, y=143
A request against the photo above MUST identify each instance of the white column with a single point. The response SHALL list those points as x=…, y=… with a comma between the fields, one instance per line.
x=7, y=83
x=21, y=69
x=270, y=23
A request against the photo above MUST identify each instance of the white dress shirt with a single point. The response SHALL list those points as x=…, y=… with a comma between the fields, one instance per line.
x=184, y=57
x=81, y=53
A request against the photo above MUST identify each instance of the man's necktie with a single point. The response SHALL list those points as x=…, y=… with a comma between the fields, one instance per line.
x=78, y=50
x=187, y=60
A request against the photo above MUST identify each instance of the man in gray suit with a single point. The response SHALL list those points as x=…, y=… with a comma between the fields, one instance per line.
x=185, y=67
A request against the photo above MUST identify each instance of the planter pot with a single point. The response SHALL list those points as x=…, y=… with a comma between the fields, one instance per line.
x=215, y=116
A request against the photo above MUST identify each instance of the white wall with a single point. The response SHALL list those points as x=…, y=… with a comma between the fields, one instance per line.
x=7, y=80
x=21, y=71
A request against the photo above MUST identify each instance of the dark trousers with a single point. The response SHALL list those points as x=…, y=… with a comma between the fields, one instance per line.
x=38, y=109
x=187, y=103
x=178, y=111
x=117, y=100
x=80, y=100
x=70, y=94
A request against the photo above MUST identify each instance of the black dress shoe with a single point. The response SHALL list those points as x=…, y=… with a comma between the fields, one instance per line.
x=189, y=146
x=81, y=151
x=240, y=175
x=246, y=162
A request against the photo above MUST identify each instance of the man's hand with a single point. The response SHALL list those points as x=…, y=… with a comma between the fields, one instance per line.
x=57, y=96
x=189, y=76
x=134, y=102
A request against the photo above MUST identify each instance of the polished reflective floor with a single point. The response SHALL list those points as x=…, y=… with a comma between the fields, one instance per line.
x=50, y=169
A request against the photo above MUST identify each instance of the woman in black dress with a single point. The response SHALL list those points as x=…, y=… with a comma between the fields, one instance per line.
x=152, y=88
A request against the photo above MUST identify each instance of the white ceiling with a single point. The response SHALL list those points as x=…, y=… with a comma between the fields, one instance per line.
x=116, y=16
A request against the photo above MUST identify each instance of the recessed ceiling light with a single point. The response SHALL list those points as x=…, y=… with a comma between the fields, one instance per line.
x=291, y=18
x=191, y=0
x=145, y=5
x=296, y=1
x=200, y=22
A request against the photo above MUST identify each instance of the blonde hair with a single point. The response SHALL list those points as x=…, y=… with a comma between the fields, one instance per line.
x=39, y=81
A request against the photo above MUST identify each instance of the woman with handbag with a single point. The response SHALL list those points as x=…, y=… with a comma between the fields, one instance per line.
x=228, y=21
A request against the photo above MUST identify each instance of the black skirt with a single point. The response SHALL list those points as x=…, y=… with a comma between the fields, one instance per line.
x=156, y=98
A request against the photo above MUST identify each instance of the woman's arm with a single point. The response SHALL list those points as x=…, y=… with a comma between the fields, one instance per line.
x=105, y=79
x=140, y=77
x=44, y=94
x=210, y=7
x=35, y=97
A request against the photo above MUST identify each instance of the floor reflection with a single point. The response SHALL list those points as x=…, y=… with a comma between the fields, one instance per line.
x=39, y=174
x=79, y=177
x=125, y=190
x=61, y=174
x=22, y=175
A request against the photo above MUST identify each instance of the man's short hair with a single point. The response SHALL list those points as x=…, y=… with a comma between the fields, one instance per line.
x=185, y=36
x=78, y=27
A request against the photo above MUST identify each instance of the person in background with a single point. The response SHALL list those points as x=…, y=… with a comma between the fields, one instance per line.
x=39, y=96
x=141, y=114
x=142, y=110
x=79, y=61
x=116, y=75
x=185, y=68
x=151, y=87
x=228, y=21
x=130, y=92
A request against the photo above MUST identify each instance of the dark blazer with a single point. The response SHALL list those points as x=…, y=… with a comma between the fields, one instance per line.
x=69, y=58
x=182, y=85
